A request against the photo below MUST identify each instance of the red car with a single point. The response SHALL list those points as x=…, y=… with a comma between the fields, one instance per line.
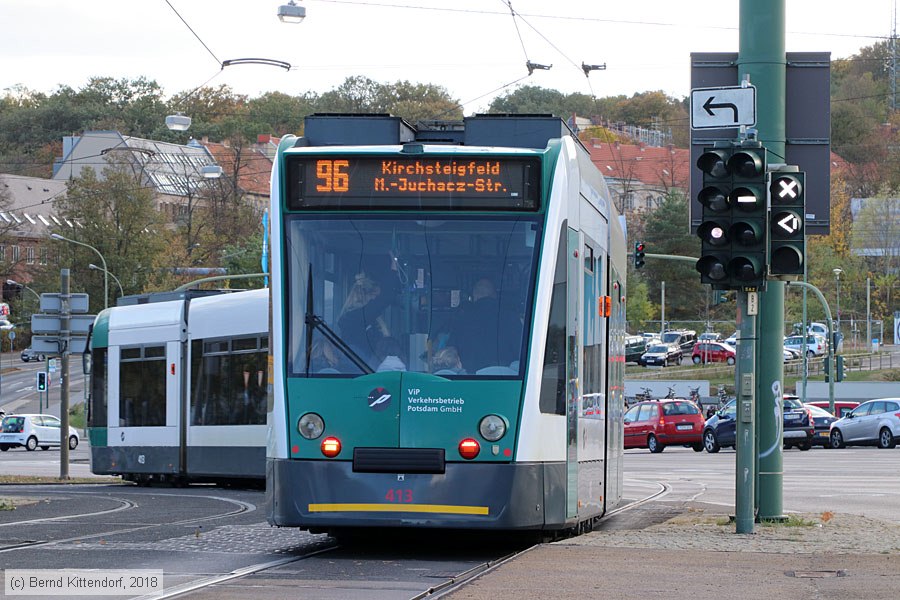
x=841, y=407
x=709, y=352
x=659, y=423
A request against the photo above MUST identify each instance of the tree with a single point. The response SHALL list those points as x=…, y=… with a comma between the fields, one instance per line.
x=667, y=232
x=638, y=307
x=116, y=216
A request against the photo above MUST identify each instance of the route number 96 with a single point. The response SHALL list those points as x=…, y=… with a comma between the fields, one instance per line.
x=332, y=175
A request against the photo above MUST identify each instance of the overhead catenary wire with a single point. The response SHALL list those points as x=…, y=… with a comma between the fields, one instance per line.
x=215, y=58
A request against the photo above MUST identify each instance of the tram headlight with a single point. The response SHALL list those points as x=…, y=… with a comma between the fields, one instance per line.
x=492, y=428
x=310, y=426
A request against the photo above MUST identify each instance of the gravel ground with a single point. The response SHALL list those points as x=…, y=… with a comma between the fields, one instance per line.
x=702, y=529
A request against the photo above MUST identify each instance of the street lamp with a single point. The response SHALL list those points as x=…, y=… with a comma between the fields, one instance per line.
x=291, y=13
x=116, y=279
x=56, y=236
x=22, y=285
x=837, y=281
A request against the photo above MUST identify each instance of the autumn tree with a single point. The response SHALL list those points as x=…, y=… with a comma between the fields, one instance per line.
x=115, y=215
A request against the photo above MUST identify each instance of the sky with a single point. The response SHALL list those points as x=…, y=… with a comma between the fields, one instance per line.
x=475, y=49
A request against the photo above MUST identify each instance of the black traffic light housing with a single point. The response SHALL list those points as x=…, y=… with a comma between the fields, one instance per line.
x=734, y=216
x=787, y=226
x=639, y=255
x=42, y=381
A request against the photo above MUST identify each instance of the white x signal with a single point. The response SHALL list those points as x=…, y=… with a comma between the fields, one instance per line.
x=788, y=188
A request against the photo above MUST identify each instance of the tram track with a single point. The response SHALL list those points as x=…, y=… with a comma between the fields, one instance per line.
x=124, y=504
x=445, y=587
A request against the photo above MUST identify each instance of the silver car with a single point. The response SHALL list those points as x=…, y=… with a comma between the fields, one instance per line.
x=873, y=422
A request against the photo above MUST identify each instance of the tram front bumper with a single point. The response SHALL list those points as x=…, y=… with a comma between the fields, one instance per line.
x=328, y=494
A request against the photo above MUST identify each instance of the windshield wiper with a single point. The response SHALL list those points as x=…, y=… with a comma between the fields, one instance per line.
x=314, y=321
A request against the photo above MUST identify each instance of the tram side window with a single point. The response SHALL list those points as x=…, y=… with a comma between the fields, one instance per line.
x=142, y=387
x=229, y=381
x=99, y=386
x=553, y=382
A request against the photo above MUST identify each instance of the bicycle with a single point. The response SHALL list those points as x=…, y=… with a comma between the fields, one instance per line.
x=645, y=395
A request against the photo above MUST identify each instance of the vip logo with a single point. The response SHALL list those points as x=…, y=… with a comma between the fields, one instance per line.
x=379, y=399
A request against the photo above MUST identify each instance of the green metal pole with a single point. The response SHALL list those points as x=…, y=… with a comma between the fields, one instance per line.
x=832, y=367
x=745, y=462
x=761, y=57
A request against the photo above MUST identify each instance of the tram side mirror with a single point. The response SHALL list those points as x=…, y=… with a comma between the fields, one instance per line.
x=86, y=363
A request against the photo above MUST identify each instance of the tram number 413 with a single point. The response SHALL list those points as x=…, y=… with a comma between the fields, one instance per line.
x=332, y=175
x=404, y=496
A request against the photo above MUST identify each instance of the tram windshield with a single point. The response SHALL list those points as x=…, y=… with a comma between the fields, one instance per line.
x=443, y=295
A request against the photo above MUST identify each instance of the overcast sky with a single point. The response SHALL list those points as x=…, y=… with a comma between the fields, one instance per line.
x=474, y=48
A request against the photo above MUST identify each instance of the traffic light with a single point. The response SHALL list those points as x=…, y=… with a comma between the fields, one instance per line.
x=787, y=235
x=839, y=373
x=638, y=255
x=734, y=217
x=41, y=381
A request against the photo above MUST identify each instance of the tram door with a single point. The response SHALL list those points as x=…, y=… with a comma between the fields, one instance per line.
x=573, y=392
x=592, y=413
x=144, y=386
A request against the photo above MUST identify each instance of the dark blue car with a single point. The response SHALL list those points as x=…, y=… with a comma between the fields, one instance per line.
x=798, y=428
x=719, y=430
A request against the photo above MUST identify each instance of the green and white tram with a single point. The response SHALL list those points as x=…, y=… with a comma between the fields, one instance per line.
x=447, y=327
x=178, y=388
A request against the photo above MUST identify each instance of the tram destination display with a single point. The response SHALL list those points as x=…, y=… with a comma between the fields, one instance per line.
x=392, y=182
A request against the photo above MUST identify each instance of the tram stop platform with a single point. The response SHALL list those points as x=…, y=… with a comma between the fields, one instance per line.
x=691, y=552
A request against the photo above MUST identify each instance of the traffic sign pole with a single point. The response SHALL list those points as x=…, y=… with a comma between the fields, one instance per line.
x=64, y=388
x=761, y=57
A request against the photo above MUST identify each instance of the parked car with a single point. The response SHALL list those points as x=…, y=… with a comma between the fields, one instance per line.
x=873, y=422
x=683, y=338
x=790, y=354
x=656, y=424
x=32, y=431
x=841, y=407
x=732, y=339
x=812, y=344
x=719, y=430
x=797, y=424
x=635, y=346
x=6, y=325
x=28, y=355
x=710, y=336
x=707, y=352
x=822, y=419
x=661, y=354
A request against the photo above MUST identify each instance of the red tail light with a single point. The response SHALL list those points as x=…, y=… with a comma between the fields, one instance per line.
x=331, y=447
x=469, y=448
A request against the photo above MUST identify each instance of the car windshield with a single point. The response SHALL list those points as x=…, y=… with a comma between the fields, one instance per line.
x=679, y=408
x=670, y=337
x=818, y=412
x=792, y=403
x=658, y=349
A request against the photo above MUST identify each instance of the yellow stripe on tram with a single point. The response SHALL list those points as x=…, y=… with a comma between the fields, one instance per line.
x=414, y=508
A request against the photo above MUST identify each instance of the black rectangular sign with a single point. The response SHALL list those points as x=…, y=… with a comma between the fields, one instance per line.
x=397, y=182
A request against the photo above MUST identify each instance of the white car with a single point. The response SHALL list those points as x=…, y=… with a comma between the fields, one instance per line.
x=874, y=422
x=813, y=345
x=32, y=431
